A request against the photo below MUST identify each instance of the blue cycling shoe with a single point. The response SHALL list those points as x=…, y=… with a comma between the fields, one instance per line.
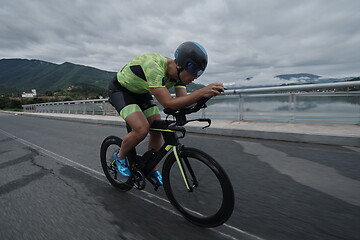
x=121, y=165
x=156, y=175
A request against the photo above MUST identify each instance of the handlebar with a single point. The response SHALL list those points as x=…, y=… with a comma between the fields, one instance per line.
x=180, y=115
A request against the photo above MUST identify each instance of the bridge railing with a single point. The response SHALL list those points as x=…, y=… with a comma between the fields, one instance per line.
x=277, y=104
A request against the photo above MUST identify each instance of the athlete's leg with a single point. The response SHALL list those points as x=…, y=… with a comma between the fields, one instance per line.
x=140, y=128
x=152, y=113
x=155, y=143
x=155, y=137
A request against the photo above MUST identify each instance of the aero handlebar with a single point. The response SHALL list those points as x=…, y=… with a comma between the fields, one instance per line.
x=180, y=115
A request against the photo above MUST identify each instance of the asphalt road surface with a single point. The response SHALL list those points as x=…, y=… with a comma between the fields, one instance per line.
x=52, y=187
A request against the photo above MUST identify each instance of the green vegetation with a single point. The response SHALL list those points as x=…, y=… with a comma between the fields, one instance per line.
x=73, y=92
x=6, y=91
x=80, y=91
x=10, y=104
x=15, y=104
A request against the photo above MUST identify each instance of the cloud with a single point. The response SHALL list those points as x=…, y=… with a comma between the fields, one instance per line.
x=258, y=39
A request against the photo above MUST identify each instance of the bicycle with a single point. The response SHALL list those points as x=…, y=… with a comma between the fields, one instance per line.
x=195, y=172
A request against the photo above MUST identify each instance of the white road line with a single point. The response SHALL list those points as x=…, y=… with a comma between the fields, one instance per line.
x=101, y=176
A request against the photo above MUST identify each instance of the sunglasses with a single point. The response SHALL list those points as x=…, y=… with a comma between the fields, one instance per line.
x=194, y=69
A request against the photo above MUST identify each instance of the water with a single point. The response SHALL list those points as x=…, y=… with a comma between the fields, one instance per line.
x=313, y=108
x=304, y=108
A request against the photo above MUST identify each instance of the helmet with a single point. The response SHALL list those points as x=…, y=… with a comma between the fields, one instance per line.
x=192, y=57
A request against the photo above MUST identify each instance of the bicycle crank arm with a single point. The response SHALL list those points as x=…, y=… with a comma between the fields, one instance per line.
x=155, y=184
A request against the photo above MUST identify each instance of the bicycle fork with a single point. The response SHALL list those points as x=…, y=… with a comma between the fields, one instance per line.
x=180, y=163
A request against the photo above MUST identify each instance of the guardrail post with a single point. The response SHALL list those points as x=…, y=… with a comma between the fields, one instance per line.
x=104, y=108
x=359, y=115
x=294, y=106
x=291, y=107
x=241, y=107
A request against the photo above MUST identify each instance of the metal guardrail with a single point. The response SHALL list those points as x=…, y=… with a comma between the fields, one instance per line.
x=287, y=104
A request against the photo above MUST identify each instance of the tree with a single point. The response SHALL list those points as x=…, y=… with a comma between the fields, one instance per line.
x=49, y=93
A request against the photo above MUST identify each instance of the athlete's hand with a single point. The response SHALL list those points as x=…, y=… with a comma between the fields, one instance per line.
x=212, y=90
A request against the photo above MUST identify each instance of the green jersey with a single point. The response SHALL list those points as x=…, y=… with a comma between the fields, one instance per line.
x=146, y=72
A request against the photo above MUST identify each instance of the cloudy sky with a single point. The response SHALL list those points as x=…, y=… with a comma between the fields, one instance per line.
x=244, y=38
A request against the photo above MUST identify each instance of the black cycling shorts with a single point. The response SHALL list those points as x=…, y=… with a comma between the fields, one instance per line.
x=126, y=102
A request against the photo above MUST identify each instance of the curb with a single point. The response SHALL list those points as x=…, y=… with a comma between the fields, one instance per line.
x=232, y=132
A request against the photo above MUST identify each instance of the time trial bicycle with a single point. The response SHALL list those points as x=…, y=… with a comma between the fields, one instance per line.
x=195, y=184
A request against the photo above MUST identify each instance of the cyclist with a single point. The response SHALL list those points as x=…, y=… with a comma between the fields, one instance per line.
x=130, y=93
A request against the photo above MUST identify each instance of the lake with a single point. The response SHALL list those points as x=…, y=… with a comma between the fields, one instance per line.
x=321, y=108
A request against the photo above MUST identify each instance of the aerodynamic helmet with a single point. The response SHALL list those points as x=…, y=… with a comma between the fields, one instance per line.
x=192, y=57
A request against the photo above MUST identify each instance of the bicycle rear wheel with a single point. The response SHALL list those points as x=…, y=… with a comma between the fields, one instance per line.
x=211, y=202
x=110, y=145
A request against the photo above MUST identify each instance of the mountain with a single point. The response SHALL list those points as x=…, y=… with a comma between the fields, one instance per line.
x=305, y=78
x=19, y=75
x=308, y=76
x=5, y=90
x=82, y=90
x=24, y=75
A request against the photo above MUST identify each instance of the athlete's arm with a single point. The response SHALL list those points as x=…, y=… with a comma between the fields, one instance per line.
x=180, y=91
x=165, y=99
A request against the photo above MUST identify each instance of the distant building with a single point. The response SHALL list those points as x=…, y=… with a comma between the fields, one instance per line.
x=29, y=94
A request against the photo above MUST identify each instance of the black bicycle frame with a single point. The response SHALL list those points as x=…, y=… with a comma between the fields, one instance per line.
x=171, y=142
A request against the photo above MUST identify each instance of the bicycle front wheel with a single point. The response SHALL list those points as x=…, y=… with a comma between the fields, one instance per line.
x=210, y=203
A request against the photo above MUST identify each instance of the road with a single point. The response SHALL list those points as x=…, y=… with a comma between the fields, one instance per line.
x=52, y=187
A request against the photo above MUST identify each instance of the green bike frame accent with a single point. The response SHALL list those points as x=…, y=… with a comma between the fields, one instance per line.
x=174, y=148
x=181, y=167
x=169, y=147
x=161, y=130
